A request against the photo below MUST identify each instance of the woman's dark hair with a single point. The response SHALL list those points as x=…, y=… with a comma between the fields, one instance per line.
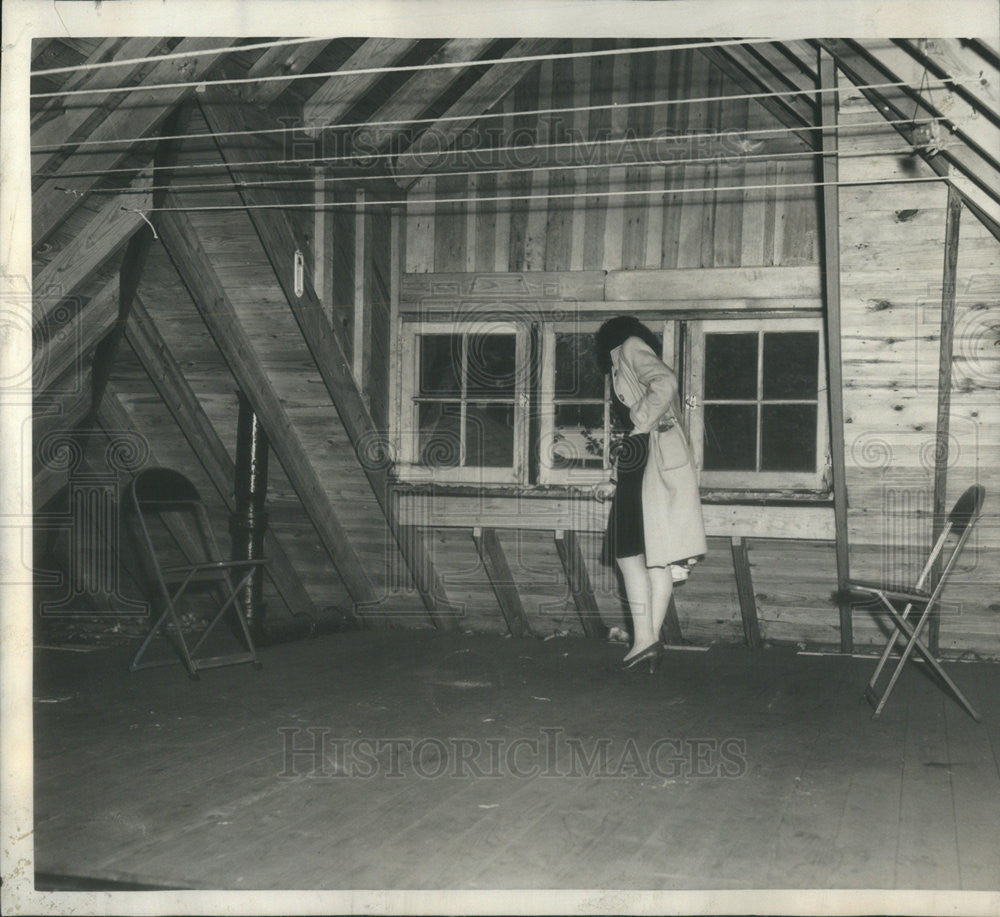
x=616, y=331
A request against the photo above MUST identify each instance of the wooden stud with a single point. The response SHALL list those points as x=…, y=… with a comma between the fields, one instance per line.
x=942, y=429
x=575, y=567
x=497, y=569
x=744, y=589
x=831, y=279
x=176, y=393
x=361, y=346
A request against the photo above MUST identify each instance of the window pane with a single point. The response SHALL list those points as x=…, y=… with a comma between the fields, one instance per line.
x=731, y=365
x=492, y=365
x=440, y=364
x=489, y=435
x=577, y=375
x=791, y=364
x=579, y=436
x=788, y=437
x=730, y=437
x=439, y=423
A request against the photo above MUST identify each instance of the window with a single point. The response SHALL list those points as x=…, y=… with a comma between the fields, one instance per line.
x=757, y=405
x=464, y=414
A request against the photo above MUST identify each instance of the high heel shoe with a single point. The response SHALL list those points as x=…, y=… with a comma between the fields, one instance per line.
x=652, y=655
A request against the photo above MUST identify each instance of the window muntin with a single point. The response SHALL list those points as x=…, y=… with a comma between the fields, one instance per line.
x=758, y=412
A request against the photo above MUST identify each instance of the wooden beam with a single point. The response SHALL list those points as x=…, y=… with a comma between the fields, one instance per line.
x=487, y=91
x=66, y=124
x=209, y=296
x=137, y=116
x=942, y=429
x=418, y=93
x=831, y=283
x=280, y=239
x=66, y=344
x=970, y=161
x=575, y=567
x=284, y=59
x=179, y=398
x=339, y=93
x=497, y=569
x=748, y=82
x=760, y=69
x=744, y=589
x=107, y=232
x=670, y=632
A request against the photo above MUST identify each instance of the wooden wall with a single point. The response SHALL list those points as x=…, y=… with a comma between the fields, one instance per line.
x=663, y=227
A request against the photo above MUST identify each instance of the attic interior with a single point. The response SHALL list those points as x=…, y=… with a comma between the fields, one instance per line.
x=356, y=311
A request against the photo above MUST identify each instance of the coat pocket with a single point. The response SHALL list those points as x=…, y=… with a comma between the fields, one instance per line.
x=671, y=449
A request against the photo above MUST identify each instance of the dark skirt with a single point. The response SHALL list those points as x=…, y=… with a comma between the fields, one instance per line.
x=624, y=536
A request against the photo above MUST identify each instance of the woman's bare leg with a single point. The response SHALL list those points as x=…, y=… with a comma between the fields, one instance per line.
x=638, y=592
x=661, y=587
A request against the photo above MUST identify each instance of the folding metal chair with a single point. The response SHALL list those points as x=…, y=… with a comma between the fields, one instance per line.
x=959, y=525
x=167, y=502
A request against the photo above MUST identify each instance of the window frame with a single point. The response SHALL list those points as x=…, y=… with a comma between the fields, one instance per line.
x=694, y=403
x=407, y=429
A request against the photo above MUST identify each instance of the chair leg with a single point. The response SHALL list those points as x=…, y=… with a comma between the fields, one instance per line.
x=181, y=645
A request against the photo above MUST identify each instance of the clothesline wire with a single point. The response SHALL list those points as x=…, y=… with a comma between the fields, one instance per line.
x=665, y=163
x=612, y=106
x=440, y=65
x=366, y=158
x=417, y=205
x=173, y=55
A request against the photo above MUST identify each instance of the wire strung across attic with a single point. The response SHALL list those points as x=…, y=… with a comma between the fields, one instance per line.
x=443, y=119
x=301, y=162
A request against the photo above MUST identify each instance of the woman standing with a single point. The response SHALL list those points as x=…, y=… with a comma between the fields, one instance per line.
x=655, y=525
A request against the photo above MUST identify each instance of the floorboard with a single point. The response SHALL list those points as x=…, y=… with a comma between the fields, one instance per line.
x=425, y=760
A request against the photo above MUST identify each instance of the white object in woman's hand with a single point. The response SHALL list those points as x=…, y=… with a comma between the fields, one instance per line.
x=604, y=491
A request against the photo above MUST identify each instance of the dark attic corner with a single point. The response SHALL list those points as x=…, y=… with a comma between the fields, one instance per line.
x=415, y=419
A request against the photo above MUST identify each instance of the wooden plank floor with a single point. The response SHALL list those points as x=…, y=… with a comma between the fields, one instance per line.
x=482, y=762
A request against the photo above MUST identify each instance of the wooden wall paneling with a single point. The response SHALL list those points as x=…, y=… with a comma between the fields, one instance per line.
x=486, y=223
x=472, y=222
x=559, y=228
x=770, y=212
x=617, y=203
x=693, y=202
x=639, y=123
x=599, y=127
x=753, y=217
x=710, y=175
x=379, y=296
x=361, y=326
x=676, y=124
x=580, y=121
x=575, y=567
x=658, y=121
x=283, y=59
x=540, y=205
x=450, y=224
x=137, y=115
x=728, y=241
x=498, y=571
x=420, y=226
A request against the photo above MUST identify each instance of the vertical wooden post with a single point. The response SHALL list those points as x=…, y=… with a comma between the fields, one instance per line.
x=831, y=289
x=319, y=245
x=942, y=428
x=360, y=348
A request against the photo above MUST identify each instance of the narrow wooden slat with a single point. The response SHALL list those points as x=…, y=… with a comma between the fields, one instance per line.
x=831, y=275
x=575, y=568
x=744, y=588
x=181, y=241
x=714, y=283
x=178, y=396
x=498, y=570
x=576, y=285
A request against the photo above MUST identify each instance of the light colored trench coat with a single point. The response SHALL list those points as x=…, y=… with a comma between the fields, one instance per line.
x=671, y=505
